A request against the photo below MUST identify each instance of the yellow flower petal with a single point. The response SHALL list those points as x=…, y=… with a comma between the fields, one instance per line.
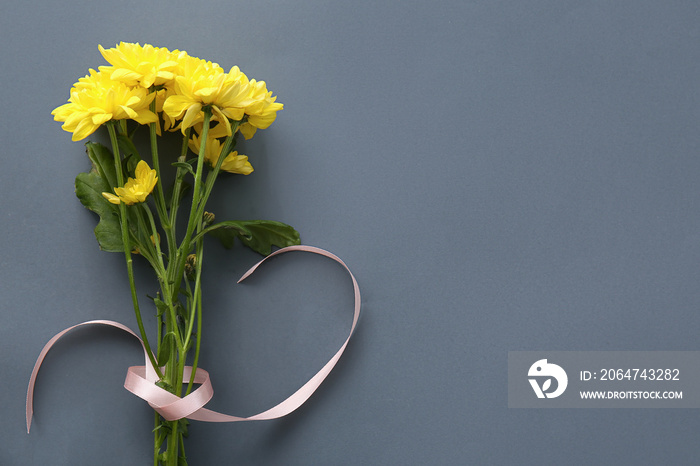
x=137, y=189
x=206, y=84
x=112, y=198
x=96, y=99
x=99, y=119
x=235, y=163
x=176, y=105
x=218, y=115
x=143, y=66
x=122, y=74
x=247, y=130
x=191, y=115
x=83, y=129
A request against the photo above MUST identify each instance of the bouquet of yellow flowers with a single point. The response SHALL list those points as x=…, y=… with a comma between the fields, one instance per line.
x=169, y=91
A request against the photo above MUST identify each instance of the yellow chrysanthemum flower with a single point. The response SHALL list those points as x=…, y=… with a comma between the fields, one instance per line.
x=206, y=84
x=262, y=111
x=137, y=189
x=233, y=163
x=144, y=66
x=96, y=99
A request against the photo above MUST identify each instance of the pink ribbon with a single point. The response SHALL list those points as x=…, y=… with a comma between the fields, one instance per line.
x=140, y=380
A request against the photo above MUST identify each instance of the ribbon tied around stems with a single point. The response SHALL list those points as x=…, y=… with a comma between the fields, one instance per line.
x=140, y=380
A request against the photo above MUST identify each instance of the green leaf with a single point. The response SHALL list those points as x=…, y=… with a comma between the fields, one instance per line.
x=164, y=385
x=181, y=311
x=258, y=235
x=89, y=188
x=128, y=149
x=193, y=338
x=226, y=236
x=129, y=165
x=163, y=430
x=182, y=427
x=164, y=350
x=161, y=307
x=184, y=165
x=184, y=189
x=102, y=162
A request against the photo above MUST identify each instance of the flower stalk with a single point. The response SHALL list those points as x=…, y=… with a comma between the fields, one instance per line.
x=123, y=220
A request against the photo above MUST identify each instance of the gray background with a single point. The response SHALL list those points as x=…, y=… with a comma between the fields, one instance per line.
x=499, y=175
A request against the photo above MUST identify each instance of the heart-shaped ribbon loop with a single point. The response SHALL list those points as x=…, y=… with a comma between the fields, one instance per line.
x=141, y=380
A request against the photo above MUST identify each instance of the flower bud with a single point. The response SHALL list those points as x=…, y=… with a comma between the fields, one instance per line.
x=208, y=218
x=191, y=267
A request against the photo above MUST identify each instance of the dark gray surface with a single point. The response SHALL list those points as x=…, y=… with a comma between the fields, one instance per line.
x=499, y=175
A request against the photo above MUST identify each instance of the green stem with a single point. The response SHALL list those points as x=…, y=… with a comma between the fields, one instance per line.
x=197, y=297
x=185, y=246
x=161, y=273
x=160, y=270
x=182, y=445
x=197, y=311
x=196, y=307
x=211, y=178
x=173, y=374
x=159, y=197
x=196, y=194
x=145, y=248
x=127, y=248
x=194, y=221
x=173, y=442
x=177, y=187
x=156, y=435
